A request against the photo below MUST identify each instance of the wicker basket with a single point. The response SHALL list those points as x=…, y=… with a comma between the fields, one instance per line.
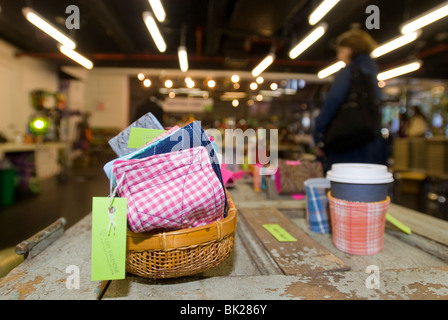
x=182, y=252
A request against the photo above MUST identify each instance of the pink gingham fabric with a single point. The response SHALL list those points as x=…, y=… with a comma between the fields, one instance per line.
x=170, y=191
x=358, y=227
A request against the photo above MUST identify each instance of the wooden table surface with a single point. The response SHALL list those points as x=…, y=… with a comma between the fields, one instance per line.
x=411, y=266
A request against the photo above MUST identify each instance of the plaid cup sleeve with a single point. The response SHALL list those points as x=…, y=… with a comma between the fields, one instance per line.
x=358, y=227
x=316, y=207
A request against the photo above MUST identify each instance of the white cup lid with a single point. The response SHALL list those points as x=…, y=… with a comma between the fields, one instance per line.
x=359, y=173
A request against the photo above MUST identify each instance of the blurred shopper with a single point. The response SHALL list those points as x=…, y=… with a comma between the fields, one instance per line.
x=403, y=126
x=418, y=125
x=353, y=47
x=151, y=104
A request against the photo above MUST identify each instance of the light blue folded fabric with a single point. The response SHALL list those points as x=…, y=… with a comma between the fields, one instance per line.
x=133, y=155
x=119, y=143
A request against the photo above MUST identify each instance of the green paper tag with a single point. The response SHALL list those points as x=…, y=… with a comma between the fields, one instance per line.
x=108, y=243
x=138, y=137
x=398, y=224
x=279, y=233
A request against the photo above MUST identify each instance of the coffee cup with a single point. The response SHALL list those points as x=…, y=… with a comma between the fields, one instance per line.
x=359, y=182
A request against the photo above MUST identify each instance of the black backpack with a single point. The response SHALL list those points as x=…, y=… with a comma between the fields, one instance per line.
x=358, y=120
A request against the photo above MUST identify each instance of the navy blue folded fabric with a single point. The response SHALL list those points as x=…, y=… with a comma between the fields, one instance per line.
x=189, y=136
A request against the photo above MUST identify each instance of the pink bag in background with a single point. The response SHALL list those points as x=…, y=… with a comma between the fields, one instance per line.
x=170, y=191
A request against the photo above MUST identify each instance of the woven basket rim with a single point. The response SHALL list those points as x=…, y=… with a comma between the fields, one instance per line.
x=187, y=237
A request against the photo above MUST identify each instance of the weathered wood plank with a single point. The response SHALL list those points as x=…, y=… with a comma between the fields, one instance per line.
x=422, y=224
x=278, y=204
x=255, y=250
x=401, y=284
x=396, y=253
x=239, y=263
x=431, y=247
x=244, y=192
x=302, y=256
x=47, y=275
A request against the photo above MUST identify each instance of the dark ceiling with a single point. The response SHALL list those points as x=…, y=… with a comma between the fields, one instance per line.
x=221, y=34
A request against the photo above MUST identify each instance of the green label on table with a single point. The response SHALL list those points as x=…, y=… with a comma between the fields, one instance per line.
x=109, y=225
x=279, y=233
x=138, y=137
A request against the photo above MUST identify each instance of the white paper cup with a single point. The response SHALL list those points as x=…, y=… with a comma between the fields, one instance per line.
x=359, y=182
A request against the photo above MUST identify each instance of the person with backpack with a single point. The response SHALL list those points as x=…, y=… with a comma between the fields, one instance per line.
x=353, y=48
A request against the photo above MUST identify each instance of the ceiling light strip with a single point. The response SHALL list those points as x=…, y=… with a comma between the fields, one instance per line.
x=154, y=31
x=379, y=51
x=425, y=18
x=266, y=62
x=312, y=37
x=86, y=63
x=331, y=69
x=392, y=73
x=158, y=10
x=321, y=11
x=46, y=27
x=183, y=58
x=395, y=44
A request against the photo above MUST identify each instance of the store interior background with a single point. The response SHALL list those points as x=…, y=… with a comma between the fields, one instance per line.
x=223, y=38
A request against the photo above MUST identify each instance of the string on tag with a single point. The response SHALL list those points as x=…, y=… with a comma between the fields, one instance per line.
x=110, y=209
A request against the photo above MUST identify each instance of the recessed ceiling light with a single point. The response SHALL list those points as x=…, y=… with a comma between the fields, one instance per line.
x=168, y=83
x=211, y=83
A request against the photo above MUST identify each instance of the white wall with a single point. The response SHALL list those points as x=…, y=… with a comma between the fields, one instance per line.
x=103, y=92
x=18, y=77
x=107, y=98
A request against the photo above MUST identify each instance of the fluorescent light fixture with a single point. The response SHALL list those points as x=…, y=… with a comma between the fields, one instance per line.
x=229, y=95
x=392, y=73
x=266, y=62
x=395, y=43
x=158, y=10
x=183, y=58
x=331, y=69
x=312, y=37
x=46, y=27
x=86, y=63
x=154, y=31
x=425, y=18
x=321, y=11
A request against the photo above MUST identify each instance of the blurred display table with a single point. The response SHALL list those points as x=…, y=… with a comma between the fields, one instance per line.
x=46, y=158
x=411, y=266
